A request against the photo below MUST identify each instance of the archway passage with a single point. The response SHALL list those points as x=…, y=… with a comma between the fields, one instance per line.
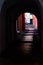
x=11, y=15
x=24, y=20
x=26, y=28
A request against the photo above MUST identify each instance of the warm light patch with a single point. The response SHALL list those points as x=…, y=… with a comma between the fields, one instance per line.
x=35, y=21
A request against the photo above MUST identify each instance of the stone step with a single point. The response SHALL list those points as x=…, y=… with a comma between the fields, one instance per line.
x=28, y=38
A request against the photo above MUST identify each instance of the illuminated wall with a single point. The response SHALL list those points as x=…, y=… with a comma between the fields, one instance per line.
x=29, y=17
x=35, y=21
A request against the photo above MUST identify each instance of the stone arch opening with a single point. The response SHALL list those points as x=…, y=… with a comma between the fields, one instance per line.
x=11, y=14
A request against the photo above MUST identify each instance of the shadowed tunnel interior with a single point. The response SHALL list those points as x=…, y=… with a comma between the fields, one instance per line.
x=26, y=28
x=12, y=43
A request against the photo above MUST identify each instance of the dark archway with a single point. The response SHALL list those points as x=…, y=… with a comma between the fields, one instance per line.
x=9, y=15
